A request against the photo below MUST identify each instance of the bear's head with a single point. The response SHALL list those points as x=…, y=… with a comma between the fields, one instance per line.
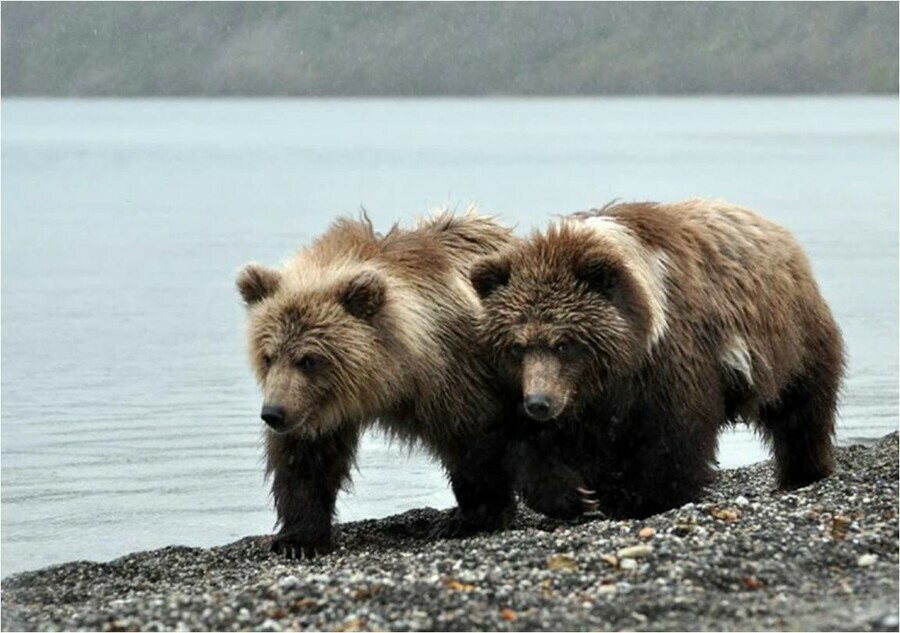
x=315, y=344
x=565, y=314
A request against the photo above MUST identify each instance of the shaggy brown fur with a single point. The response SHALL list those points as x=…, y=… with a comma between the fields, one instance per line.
x=635, y=332
x=362, y=328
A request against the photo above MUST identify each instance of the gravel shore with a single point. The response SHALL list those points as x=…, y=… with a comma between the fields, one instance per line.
x=744, y=558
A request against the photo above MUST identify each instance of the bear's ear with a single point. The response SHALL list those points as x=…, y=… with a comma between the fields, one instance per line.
x=597, y=273
x=363, y=295
x=256, y=282
x=489, y=274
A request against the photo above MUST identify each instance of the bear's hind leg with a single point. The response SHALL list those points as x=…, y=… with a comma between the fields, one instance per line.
x=799, y=426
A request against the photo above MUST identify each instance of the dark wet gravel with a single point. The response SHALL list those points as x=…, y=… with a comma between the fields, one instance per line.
x=745, y=558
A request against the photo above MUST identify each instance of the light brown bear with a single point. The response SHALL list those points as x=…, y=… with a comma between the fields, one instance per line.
x=632, y=334
x=362, y=328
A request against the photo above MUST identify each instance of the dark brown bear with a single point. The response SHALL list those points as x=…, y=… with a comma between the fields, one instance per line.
x=362, y=328
x=634, y=333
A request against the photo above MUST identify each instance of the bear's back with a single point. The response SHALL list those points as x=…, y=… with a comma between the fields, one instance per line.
x=733, y=278
x=440, y=245
x=444, y=243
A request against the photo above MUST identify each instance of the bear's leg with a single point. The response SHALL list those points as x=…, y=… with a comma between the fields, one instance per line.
x=799, y=426
x=662, y=455
x=548, y=484
x=306, y=477
x=482, y=482
x=655, y=477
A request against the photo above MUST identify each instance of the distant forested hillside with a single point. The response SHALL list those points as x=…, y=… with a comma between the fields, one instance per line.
x=387, y=48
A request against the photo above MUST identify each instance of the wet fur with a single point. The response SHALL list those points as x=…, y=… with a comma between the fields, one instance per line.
x=679, y=319
x=390, y=321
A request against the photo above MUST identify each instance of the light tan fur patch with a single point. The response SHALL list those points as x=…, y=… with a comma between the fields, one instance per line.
x=736, y=355
x=402, y=303
x=419, y=323
x=648, y=267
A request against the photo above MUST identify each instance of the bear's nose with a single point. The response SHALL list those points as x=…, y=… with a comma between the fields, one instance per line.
x=537, y=406
x=273, y=415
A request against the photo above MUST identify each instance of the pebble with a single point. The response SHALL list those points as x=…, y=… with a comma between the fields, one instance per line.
x=288, y=582
x=610, y=559
x=726, y=514
x=561, y=561
x=509, y=615
x=635, y=551
x=867, y=560
x=889, y=622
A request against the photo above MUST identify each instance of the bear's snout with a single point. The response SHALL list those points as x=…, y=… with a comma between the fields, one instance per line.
x=545, y=390
x=273, y=415
x=537, y=406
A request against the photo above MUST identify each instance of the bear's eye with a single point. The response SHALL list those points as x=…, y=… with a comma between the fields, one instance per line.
x=267, y=361
x=308, y=363
x=517, y=351
x=566, y=348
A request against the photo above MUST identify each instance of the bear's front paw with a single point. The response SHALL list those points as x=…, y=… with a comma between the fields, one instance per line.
x=297, y=546
x=451, y=527
x=562, y=503
x=463, y=524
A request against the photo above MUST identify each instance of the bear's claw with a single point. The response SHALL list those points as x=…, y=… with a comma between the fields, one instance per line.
x=296, y=549
x=588, y=500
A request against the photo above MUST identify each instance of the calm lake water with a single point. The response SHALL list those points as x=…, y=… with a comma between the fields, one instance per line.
x=129, y=416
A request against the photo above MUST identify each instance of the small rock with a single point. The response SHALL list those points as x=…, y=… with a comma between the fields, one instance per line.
x=509, y=615
x=454, y=585
x=742, y=501
x=684, y=529
x=635, y=551
x=561, y=562
x=353, y=623
x=752, y=582
x=610, y=559
x=646, y=533
x=889, y=622
x=627, y=563
x=288, y=582
x=839, y=525
x=726, y=514
x=867, y=560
